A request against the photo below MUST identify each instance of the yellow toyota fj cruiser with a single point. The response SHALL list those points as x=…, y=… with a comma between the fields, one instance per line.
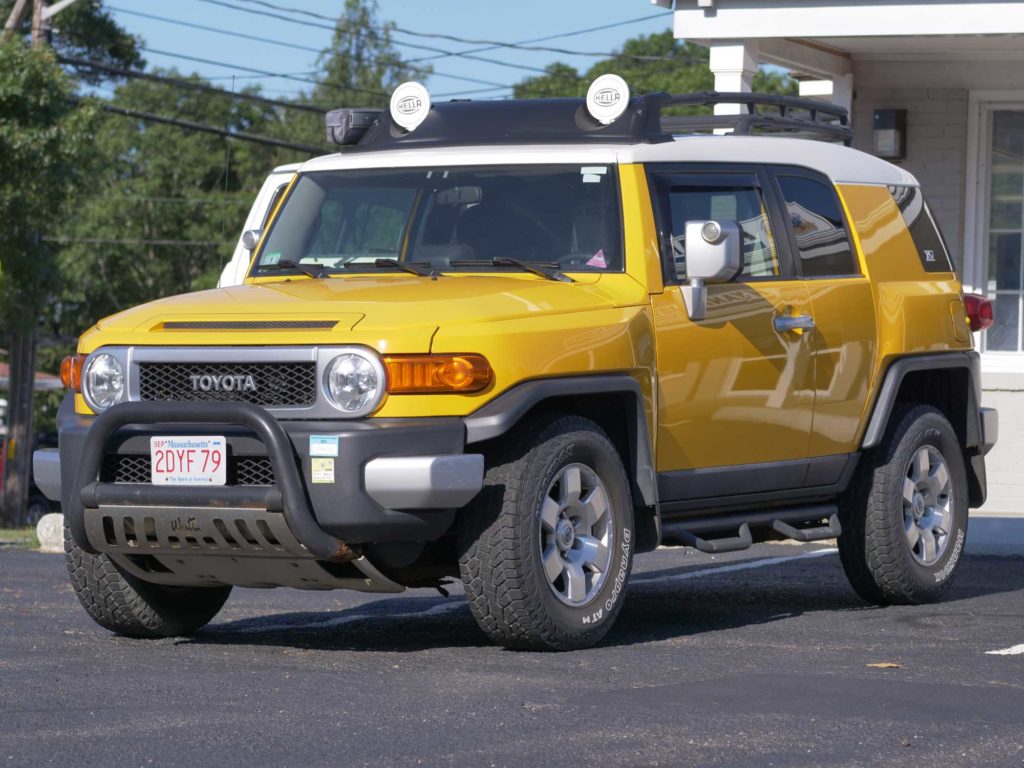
x=519, y=342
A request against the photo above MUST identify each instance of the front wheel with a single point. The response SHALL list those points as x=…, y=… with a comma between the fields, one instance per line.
x=546, y=548
x=129, y=606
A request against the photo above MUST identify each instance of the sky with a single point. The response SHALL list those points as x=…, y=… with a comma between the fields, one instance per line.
x=296, y=46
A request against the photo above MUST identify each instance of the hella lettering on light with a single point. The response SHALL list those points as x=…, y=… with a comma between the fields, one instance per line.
x=410, y=105
x=607, y=98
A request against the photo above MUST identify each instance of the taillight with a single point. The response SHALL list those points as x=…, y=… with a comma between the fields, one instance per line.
x=979, y=311
x=71, y=372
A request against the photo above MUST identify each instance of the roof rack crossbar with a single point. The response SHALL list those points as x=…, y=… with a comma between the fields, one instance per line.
x=828, y=120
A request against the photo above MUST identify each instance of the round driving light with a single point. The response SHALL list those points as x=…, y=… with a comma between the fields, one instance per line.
x=356, y=382
x=607, y=98
x=103, y=382
x=711, y=231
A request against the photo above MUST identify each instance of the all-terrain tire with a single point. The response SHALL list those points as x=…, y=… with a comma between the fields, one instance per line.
x=502, y=544
x=129, y=606
x=874, y=547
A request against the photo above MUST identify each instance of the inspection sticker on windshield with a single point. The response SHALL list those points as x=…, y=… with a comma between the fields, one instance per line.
x=323, y=445
x=322, y=470
x=200, y=460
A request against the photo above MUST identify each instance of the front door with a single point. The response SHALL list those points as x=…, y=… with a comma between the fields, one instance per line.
x=733, y=388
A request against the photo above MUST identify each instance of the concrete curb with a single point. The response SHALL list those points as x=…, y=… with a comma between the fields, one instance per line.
x=995, y=534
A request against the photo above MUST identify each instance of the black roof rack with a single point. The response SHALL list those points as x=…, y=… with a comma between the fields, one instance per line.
x=812, y=118
x=545, y=121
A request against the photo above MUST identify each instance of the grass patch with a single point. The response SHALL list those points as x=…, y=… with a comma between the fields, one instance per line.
x=18, y=538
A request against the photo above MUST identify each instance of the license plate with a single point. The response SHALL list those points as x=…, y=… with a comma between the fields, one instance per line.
x=188, y=460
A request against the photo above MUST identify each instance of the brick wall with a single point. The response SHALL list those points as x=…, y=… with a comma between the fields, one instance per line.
x=936, y=145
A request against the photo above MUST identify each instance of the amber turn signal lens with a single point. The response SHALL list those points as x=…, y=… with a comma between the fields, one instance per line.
x=71, y=372
x=423, y=374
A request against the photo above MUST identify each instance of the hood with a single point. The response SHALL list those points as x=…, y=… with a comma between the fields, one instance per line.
x=353, y=309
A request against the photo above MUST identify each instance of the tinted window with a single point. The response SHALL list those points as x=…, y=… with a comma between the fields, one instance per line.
x=743, y=204
x=455, y=218
x=817, y=223
x=931, y=248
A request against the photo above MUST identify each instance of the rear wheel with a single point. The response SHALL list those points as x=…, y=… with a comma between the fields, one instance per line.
x=546, y=547
x=129, y=606
x=905, y=518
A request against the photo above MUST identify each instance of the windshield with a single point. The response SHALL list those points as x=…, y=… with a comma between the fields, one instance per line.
x=449, y=219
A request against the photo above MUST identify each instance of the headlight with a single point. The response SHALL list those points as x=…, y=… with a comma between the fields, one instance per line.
x=103, y=382
x=356, y=382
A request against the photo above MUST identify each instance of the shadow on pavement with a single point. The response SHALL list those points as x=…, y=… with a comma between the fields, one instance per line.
x=660, y=610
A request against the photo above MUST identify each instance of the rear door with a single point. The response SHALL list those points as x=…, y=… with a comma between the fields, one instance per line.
x=843, y=342
x=736, y=398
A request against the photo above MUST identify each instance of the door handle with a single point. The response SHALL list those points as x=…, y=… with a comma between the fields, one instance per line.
x=786, y=323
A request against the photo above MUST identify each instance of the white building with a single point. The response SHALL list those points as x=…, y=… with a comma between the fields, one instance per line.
x=957, y=70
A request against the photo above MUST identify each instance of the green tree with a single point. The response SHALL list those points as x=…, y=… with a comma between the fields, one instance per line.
x=649, y=63
x=84, y=30
x=360, y=68
x=165, y=204
x=43, y=143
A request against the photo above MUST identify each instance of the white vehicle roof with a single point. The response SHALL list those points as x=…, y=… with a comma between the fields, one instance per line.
x=841, y=164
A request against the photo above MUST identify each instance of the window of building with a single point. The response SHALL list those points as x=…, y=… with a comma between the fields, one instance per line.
x=1006, y=226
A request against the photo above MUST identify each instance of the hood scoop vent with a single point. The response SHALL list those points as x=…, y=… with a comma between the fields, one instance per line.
x=249, y=325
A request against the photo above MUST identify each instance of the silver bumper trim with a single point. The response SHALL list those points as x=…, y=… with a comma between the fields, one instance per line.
x=989, y=428
x=46, y=472
x=424, y=482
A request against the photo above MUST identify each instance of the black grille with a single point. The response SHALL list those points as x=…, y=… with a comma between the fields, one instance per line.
x=268, y=384
x=135, y=468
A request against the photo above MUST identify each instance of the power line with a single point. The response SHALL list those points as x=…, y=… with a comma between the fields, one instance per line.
x=256, y=38
x=332, y=28
x=263, y=72
x=443, y=36
x=573, y=33
x=186, y=84
x=204, y=128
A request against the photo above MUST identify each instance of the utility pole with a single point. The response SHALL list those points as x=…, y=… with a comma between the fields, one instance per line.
x=17, y=466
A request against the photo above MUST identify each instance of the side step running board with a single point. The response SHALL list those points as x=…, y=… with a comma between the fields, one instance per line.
x=829, y=531
x=712, y=546
x=782, y=521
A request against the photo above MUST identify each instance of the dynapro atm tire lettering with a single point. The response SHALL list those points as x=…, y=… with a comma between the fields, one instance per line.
x=521, y=294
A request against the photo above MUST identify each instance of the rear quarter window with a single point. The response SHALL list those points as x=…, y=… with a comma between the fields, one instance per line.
x=931, y=248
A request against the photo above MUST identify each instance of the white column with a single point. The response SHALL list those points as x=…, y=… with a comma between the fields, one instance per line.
x=734, y=64
x=838, y=91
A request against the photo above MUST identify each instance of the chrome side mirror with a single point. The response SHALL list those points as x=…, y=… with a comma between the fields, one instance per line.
x=714, y=254
x=251, y=238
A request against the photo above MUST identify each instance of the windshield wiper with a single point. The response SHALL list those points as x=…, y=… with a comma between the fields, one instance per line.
x=415, y=268
x=543, y=269
x=315, y=271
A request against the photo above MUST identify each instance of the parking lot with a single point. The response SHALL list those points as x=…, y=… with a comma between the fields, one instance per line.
x=764, y=658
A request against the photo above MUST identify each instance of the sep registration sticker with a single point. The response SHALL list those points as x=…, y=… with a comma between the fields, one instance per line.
x=200, y=460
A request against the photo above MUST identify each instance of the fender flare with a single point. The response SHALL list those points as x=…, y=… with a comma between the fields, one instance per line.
x=898, y=370
x=500, y=415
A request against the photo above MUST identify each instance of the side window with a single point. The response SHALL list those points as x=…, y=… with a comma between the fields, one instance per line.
x=683, y=202
x=931, y=248
x=816, y=220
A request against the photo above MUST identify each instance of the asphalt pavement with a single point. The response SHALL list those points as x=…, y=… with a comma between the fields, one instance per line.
x=764, y=658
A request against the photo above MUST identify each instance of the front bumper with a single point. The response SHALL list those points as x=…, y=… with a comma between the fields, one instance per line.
x=390, y=480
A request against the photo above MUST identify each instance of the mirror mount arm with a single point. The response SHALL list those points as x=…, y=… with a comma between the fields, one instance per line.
x=695, y=297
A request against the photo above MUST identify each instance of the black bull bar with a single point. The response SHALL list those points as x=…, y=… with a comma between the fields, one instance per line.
x=288, y=496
